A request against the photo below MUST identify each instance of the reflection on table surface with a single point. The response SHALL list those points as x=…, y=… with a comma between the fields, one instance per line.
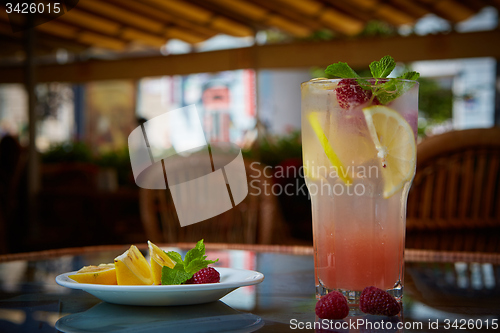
x=213, y=317
x=440, y=287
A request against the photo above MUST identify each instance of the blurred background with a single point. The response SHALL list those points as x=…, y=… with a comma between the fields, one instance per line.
x=74, y=85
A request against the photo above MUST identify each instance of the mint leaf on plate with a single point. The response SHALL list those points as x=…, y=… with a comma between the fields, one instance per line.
x=197, y=264
x=194, y=260
x=174, y=276
x=174, y=256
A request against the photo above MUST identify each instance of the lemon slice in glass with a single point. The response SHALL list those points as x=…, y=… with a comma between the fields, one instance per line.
x=158, y=258
x=325, y=144
x=102, y=274
x=132, y=268
x=395, y=144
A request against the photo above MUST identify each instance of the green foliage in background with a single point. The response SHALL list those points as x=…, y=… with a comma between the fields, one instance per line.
x=118, y=160
x=434, y=102
x=80, y=152
x=68, y=152
x=376, y=28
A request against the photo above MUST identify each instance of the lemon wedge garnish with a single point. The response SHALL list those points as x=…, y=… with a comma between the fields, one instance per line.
x=395, y=144
x=158, y=258
x=132, y=268
x=330, y=153
x=102, y=274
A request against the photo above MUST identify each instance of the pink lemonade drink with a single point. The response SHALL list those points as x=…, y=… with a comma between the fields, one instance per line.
x=359, y=150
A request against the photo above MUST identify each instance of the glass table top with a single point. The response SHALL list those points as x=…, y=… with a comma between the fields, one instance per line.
x=441, y=288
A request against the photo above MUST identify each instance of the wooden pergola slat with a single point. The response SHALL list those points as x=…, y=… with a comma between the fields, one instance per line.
x=299, y=55
x=263, y=16
x=202, y=17
x=170, y=20
x=121, y=26
x=122, y=15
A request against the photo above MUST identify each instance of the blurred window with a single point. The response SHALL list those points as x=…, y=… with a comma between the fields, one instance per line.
x=225, y=102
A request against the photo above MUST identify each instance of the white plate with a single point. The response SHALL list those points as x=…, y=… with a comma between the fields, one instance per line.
x=230, y=279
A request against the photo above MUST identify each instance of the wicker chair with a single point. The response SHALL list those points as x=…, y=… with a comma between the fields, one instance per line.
x=456, y=190
x=256, y=220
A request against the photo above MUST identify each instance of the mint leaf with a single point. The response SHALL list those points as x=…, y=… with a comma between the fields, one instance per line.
x=365, y=84
x=385, y=90
x=383, y=67
x=174, y=276
x=192, y=255
x=409, y=76
x=197, y=252
x=394, y=88
x=200, y=246
x=194, y=260
x=197, y=264
x=174, y=256
x=341, y=69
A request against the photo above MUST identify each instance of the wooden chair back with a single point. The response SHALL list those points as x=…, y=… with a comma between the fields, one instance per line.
x=457, y=185
x=256, y=220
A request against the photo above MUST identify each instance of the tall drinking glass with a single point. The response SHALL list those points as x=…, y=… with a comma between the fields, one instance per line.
x=359, y=150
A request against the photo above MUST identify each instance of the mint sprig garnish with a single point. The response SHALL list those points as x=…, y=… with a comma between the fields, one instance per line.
x=383, y=67
x=341, y=69
x=410, y=76
x=384, y=90
x=194, y=260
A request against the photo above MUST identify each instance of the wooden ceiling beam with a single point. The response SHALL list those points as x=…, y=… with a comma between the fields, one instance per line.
x=202, y=16
x=383, y=11
x=88, y=21
x=289, y=14
x=346, y=7
x=183, y=30
x=154, y=32
x=393, y=15
x=98, y=40
x=112, y=34
x=263, y=16
x=327, y=15
x=450, y=10
x=299, y=55
x=119, y=14
x=72, y=24
x=411, y=8
x=59, y=29
x=135, y=35
x=454, y=10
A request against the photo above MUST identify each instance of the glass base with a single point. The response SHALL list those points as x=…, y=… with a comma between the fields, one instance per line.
x=353, y=295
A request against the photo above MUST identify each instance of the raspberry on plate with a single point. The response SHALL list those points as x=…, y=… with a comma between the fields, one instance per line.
x=205, y=275
x=350, y=94
x=332, y=306
x=378, y=302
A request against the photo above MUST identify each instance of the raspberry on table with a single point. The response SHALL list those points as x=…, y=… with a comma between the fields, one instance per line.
x=378, y=302
x=332, y=306
x=205, y=275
